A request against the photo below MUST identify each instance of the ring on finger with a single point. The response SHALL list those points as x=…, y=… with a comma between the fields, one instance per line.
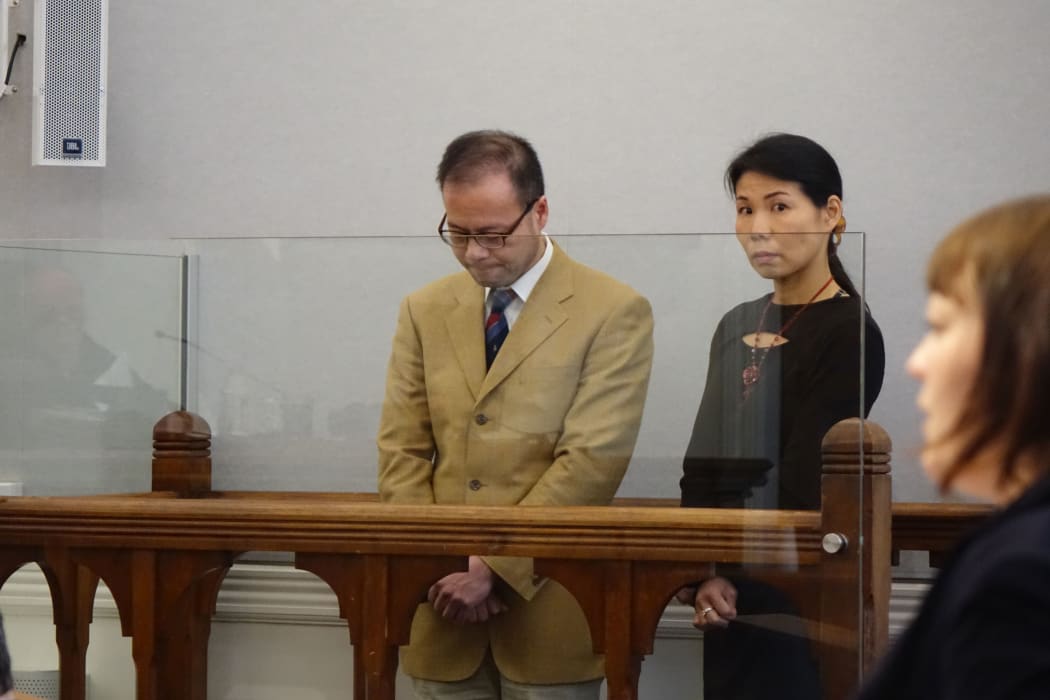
x=705, y=611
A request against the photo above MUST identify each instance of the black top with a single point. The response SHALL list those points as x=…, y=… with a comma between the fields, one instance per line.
x=984, y=629
x=6, y=683
x=763, y=450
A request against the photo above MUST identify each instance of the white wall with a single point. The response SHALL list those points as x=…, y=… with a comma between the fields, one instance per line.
x=263, y=118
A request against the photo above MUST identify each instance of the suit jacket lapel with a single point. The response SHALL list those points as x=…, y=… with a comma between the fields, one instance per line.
x=465, y=329
x=540, y=317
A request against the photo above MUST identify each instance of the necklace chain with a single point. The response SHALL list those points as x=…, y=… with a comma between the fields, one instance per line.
x=753, y=371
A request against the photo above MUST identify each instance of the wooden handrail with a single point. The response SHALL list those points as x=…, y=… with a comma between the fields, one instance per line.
x=351, y=526
x=916, y=526
x=934, y=527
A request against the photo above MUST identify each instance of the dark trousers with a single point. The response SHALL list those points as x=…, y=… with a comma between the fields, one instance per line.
x=749, y=662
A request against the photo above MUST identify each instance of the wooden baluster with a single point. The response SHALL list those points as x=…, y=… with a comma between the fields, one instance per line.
x=188, y=585
x=165, y=599
x=378, y=595
x=142, y=583
x=72, y=591
x=73, y=596
x=344, y=574
x=182, y=464
x=622, y=602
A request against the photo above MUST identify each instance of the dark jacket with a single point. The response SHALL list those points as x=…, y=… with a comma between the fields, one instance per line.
x=6, y=683
x=984, y=630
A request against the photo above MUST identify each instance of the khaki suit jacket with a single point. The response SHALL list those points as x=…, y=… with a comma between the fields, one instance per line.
x=553, y=422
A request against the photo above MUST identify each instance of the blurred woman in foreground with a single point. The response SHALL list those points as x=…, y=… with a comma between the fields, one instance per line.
x=984, y=629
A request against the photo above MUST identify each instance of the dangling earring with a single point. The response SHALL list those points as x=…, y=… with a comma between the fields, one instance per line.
x=839, y=228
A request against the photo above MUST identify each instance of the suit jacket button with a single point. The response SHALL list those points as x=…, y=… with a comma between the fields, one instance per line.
x=481, y=419
x=475, y=485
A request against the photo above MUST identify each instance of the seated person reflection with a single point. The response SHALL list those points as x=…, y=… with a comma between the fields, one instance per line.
x=520, y=381
x=69, y=384
x=984, y=365
x=782, y=370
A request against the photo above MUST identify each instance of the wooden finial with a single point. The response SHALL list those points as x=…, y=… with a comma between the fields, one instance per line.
x=849, y=439
x=182, y=454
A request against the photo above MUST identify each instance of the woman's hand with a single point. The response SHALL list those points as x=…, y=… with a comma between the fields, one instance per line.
x=715, y=603
x=685, y=596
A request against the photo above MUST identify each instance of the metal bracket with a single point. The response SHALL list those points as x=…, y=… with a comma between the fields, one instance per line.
x=834, y=543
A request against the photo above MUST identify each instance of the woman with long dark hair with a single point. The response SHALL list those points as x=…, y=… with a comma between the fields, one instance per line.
x=782, y=370
x=785, y=367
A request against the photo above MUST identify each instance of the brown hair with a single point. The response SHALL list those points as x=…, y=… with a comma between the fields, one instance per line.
x=1003, y=254
x=478, y=153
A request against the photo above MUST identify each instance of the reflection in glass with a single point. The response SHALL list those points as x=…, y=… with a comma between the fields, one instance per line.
x=779, y=376
x=77, y=412
x=288, y=367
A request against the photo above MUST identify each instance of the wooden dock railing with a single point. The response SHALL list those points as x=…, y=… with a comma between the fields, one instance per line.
x=164, y=556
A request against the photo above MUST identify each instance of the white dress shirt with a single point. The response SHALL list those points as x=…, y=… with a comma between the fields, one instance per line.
x=522, y=286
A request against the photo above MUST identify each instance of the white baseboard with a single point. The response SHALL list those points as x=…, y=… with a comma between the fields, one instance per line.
x=278, y=593
x=905, y=599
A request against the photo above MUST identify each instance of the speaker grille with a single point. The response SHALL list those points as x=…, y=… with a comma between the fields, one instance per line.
x=71, y=92
x=41, y=684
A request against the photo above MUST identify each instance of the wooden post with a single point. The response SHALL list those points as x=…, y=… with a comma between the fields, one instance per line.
x=182, y=454
x=622, y=602
x=182, y=464
x=73, y=596
x=855, y=576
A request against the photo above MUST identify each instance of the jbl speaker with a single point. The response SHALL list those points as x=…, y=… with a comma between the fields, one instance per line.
x=69, y=82
x=4, y=8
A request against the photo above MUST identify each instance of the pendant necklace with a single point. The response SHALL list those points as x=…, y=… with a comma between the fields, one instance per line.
x=753, y=371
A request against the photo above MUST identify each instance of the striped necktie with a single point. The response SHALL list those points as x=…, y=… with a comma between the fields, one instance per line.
x=496, y=327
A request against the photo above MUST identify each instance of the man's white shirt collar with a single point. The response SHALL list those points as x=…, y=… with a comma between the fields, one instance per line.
x=524, y=285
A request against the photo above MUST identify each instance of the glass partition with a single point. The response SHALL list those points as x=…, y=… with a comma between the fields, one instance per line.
x=286, y=349
x=291, y=339
x=287, y=344
x=90, y=360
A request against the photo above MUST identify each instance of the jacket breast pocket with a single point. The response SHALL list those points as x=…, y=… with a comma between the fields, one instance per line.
x=538, y=398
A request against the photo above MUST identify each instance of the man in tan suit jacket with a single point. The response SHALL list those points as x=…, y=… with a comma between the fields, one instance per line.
x=553, y=421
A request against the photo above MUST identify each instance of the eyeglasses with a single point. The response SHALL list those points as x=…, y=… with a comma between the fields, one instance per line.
x=490, y=240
